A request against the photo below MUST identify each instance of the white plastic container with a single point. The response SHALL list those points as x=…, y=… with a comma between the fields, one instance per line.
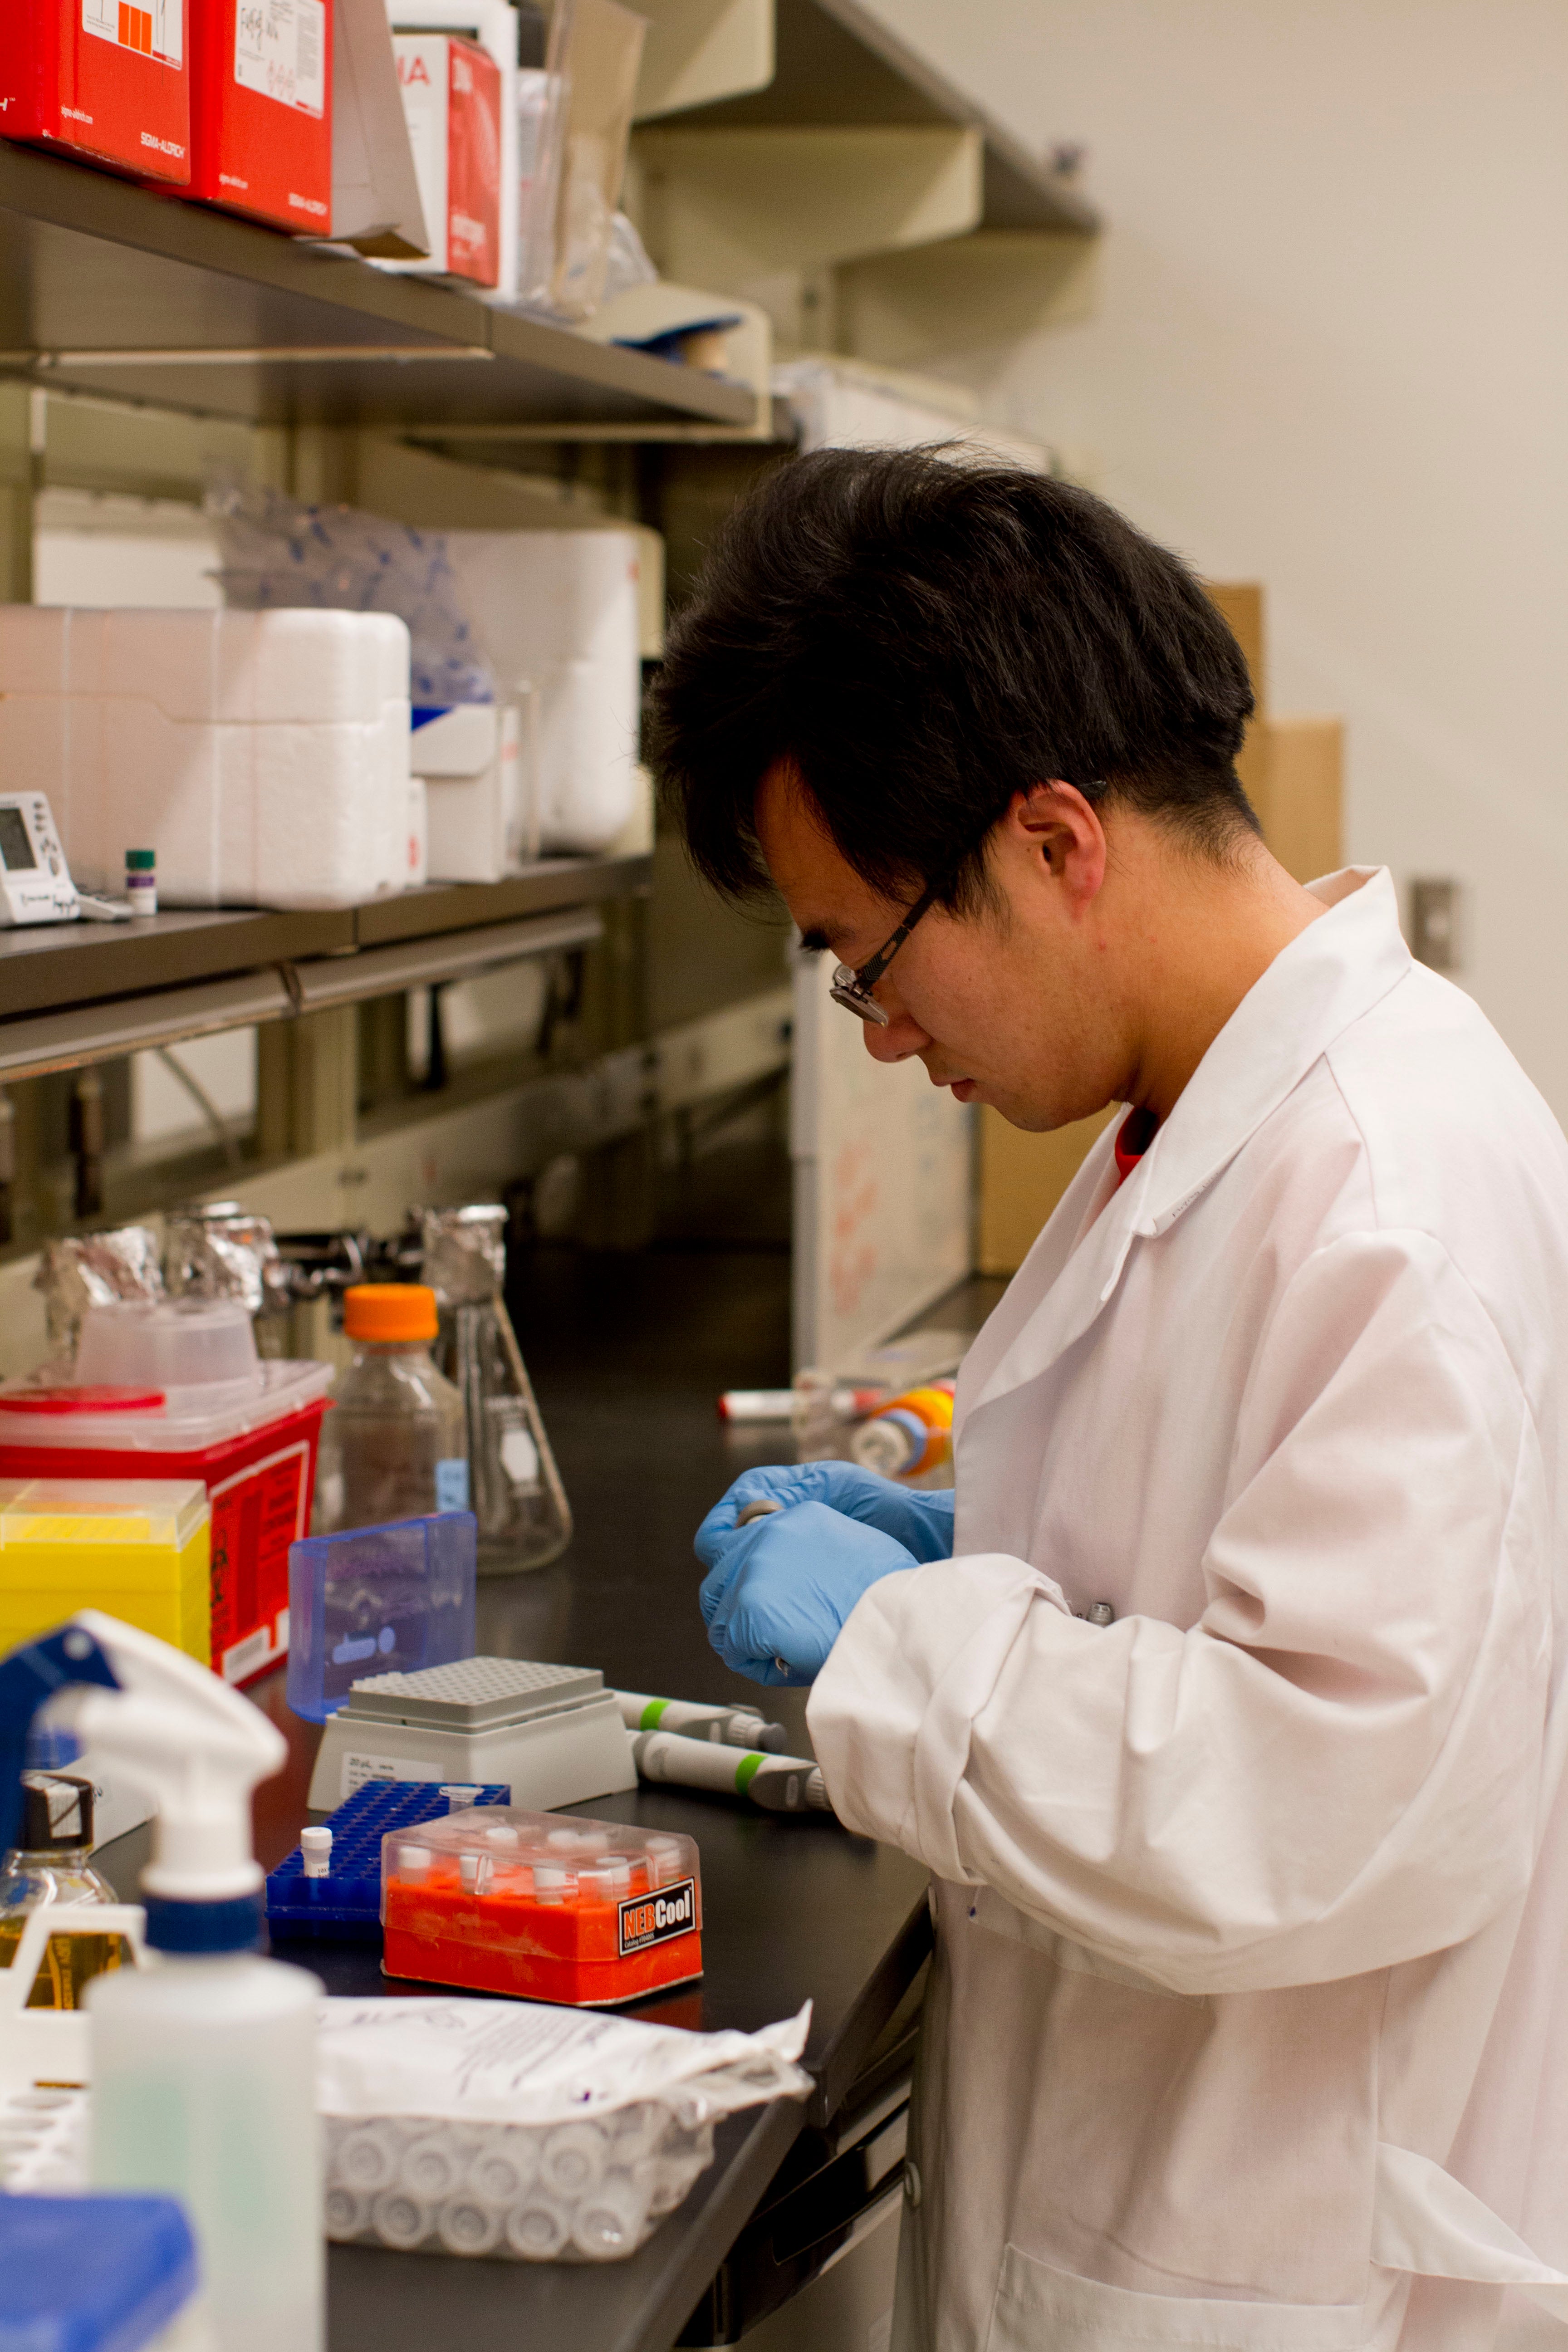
x=558, y=610
x=263, y=756
x=203, y=2083
x=203, y=2070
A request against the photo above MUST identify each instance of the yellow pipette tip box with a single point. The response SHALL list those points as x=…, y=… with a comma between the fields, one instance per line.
x=140, y=1550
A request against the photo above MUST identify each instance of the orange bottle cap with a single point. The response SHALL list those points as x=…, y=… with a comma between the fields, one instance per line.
x=390, y=1312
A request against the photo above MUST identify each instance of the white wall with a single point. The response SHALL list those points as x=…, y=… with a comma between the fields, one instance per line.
x=1331, y=351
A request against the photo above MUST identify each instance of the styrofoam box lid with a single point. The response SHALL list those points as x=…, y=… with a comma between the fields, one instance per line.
x=101, y=1511
x=187, y=1420
x=473, y=1694
x=294, y=665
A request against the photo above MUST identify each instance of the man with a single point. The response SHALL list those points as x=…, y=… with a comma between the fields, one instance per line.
x=1248, y=2025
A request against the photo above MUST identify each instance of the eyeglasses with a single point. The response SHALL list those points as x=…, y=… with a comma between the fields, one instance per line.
x=852, y=986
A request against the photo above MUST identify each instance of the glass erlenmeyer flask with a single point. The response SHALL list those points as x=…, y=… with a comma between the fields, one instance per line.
x=514, y=1489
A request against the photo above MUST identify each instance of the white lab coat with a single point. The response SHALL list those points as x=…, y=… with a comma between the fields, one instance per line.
x=1248, y=2025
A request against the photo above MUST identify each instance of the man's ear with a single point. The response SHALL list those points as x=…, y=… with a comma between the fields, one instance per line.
x=1051, y=835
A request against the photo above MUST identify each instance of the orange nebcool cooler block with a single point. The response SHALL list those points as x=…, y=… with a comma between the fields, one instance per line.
x=587, y=1913
x=105, y=79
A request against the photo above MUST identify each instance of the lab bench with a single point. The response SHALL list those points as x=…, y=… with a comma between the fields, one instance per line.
x=627, y=1354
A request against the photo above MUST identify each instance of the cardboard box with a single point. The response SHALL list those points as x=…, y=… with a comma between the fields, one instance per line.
x=261, y=110
x=1241, y=601
x=1022, y=1178
x=105, y=79
x=1301, y=807
x=451, y=98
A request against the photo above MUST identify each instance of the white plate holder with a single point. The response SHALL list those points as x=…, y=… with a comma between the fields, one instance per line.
x=48, y=2046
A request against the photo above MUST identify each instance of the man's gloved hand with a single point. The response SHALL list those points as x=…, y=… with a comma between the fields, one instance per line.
x=921, y=1522
x=777, y=1592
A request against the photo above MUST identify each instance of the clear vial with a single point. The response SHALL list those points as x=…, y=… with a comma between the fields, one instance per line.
x=395, y=1445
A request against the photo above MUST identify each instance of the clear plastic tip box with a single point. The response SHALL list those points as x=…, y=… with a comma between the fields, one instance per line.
x=587, y=1913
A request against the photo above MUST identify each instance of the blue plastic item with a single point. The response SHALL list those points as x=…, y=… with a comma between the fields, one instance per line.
x=345, y=1905
x=91, y=2274
x=378, y=1601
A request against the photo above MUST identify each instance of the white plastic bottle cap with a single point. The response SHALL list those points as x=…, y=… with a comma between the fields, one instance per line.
x=552, y=1885
x=413, y=1861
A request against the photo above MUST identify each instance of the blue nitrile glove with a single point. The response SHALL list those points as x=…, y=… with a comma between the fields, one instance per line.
x=921, y=1522
x=779, y=1591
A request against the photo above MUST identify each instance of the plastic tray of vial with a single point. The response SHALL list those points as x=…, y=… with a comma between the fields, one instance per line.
x=587, y=1913
x=330, y=1887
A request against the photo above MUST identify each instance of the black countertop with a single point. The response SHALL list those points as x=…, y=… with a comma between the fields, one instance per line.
x=627, y=1354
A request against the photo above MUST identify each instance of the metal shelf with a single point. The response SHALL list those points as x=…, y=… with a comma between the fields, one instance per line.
x=106, y=287
x=73, y=993
x=838, y=65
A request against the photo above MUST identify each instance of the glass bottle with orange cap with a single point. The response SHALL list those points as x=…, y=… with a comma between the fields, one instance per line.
x=396, y=1443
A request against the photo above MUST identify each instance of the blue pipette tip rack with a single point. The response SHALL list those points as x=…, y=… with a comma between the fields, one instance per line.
x=345, y=1905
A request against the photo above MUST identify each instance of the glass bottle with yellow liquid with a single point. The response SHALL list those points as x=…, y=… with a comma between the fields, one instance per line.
x=53, y=1864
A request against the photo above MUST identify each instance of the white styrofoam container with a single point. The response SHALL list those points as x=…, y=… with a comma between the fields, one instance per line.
x=470, y=759
x=557, y=610
x=264, y=756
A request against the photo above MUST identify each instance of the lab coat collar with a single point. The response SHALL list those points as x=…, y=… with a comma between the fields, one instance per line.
x=1330, y=974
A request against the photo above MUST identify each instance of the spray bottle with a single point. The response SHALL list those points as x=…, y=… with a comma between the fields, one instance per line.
x=201, y=2067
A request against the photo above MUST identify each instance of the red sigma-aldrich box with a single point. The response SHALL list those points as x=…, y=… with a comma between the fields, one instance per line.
x=255, y=1452
x=261, y=110
x=105, y=79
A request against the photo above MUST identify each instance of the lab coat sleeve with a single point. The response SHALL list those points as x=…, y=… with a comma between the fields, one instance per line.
x=1334, y=1769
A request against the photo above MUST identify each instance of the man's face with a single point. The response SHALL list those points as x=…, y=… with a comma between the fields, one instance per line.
x=1012, y=1005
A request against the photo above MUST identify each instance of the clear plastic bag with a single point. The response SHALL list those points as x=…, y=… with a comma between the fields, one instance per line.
x=524, y=2131
x=278, y=553
x=578, y=121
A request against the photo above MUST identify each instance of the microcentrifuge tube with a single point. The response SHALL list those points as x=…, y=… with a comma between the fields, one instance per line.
x=610, y=2217
x=431, y=2167
x=539, y=2229
x=400, y=2222
x=574, y=2157
x=316, y=1851
x=504, y=2168
x=467, y=2226
x=347, y=2212
x=413, y=1861
x=366, y=2157
x=636, y=2132
x=460, y=1795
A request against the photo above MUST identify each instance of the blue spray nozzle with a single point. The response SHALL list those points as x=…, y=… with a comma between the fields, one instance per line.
x=29, y=1678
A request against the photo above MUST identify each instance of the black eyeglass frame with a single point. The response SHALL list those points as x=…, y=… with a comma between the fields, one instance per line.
x=852, y=984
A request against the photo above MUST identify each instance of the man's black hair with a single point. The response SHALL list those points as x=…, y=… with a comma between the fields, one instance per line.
x=922, y=639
